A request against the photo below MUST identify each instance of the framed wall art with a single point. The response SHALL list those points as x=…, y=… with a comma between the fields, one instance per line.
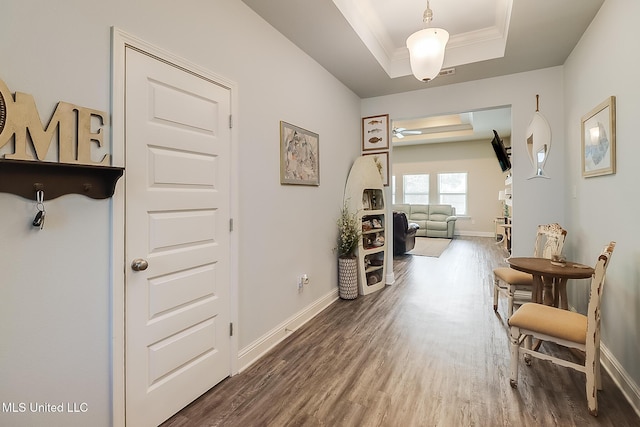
x=375, y=133
x=366, y=200
x=382, y=163
x=299, y=156
x=599, y=139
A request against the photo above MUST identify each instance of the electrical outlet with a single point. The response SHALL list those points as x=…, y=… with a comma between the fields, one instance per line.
x=302, y=280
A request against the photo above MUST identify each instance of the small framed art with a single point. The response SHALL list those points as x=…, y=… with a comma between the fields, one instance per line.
x=366, y=200
x=299, y=156
x=382, y=163
x=375, y=133
x=599, y=139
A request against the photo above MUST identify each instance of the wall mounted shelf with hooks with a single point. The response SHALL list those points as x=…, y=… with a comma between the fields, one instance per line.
x=24, y=178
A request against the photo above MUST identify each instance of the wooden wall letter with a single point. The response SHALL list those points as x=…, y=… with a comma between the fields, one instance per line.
x=72, y=122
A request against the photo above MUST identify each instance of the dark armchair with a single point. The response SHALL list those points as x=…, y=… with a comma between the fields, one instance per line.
x=404, y=233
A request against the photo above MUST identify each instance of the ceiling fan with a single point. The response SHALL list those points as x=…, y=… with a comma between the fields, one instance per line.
x=401, y=132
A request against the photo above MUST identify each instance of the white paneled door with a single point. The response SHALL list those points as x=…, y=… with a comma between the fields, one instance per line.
x=177, y=306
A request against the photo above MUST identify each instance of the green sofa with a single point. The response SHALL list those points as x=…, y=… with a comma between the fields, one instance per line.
x=434, y=220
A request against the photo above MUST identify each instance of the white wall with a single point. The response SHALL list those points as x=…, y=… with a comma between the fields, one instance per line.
x=535, y=201
x=484, y=178
x=55, y=289
x=601, y=209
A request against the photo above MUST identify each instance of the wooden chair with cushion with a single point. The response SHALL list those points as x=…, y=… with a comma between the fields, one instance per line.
x=566, y=328
x=517, y=285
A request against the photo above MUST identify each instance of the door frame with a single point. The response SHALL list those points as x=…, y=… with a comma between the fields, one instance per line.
x=120, y=40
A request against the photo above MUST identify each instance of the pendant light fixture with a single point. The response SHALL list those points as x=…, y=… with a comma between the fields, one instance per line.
x=426, y=49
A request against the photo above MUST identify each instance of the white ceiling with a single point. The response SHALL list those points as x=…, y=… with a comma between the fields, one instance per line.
x=362, y=42
x=478, y=29
x=466, y=126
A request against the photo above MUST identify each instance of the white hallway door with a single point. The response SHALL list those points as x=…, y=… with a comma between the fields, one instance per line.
x=177, y=309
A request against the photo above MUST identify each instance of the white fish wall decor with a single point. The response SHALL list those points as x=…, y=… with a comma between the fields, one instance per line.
x=538, y=142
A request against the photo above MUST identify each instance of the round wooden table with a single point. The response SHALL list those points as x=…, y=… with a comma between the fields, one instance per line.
x=550, y=278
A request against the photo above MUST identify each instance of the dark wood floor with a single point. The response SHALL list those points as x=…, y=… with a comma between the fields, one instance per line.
x=427, y=351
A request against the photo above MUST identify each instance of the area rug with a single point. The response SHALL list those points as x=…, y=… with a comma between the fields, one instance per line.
x=429, y=246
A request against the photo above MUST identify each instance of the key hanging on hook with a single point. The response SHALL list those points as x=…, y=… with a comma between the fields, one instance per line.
x=38, y=221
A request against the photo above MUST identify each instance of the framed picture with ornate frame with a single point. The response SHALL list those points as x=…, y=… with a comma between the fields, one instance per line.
x=599, y=139
x=382, y=163
x=375, y=133
x=299, y=156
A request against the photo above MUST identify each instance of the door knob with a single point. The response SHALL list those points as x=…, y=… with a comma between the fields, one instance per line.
x=139, y=264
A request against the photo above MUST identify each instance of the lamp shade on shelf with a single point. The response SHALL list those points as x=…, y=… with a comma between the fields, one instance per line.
x=426, y=52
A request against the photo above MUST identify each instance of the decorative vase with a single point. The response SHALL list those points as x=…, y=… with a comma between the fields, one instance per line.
x=348, y=278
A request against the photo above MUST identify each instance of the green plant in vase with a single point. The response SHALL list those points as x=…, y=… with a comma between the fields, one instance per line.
x=349, y=233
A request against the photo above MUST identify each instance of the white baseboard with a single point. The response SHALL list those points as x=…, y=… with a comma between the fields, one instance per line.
x=254, y=351
x=619, y=375
x=625, y=383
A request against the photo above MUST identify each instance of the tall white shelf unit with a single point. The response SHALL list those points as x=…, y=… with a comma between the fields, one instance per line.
x=364, y=195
